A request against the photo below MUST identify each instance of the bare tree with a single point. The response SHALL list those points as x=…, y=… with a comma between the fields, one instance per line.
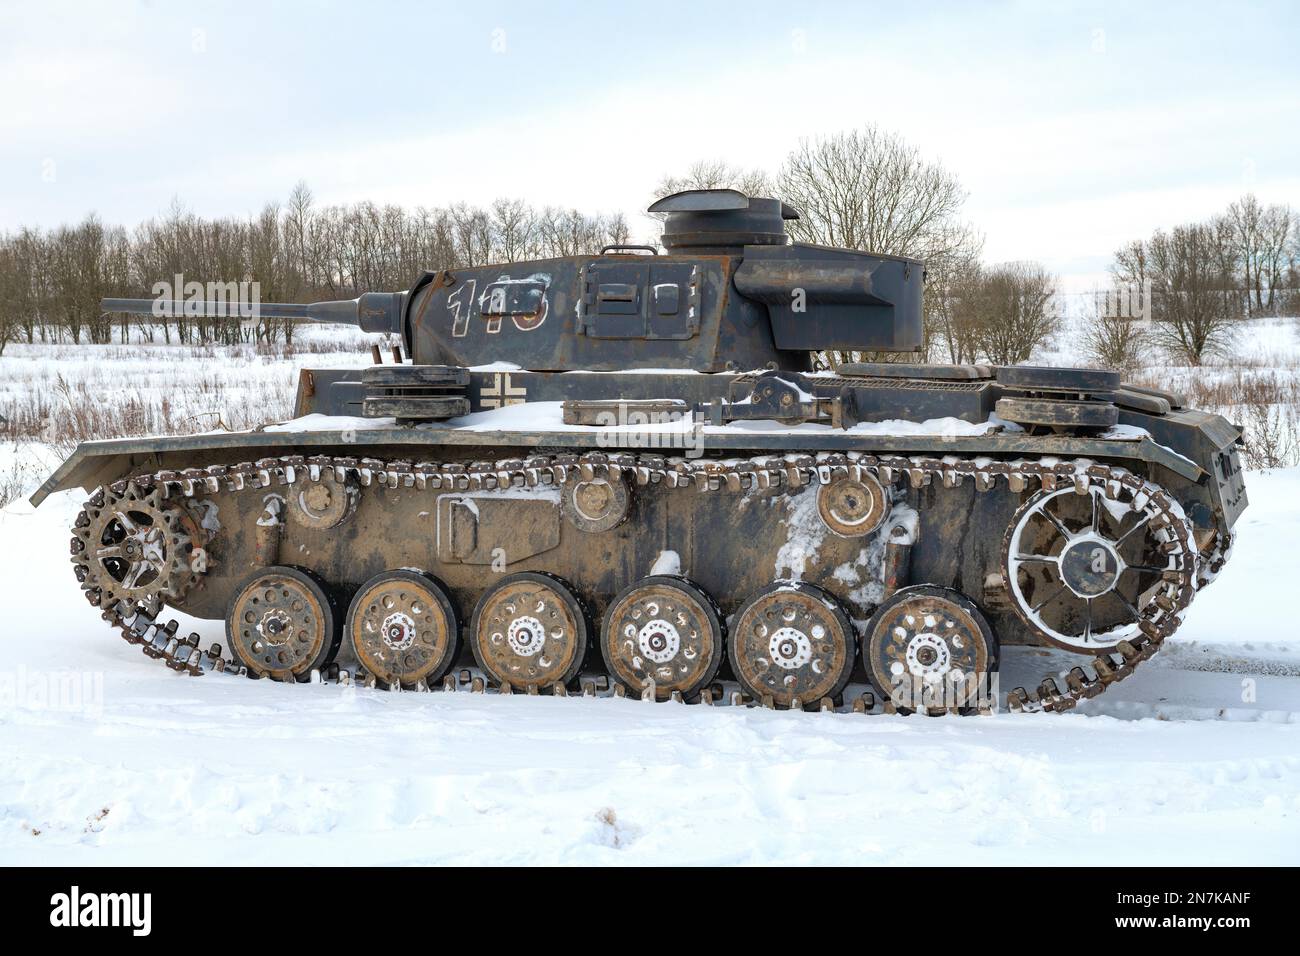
x=1130, y=267
x=297, y=219
x=11, y=292
x=1275, y=259
x=1112, y=340
x=1290, y=299
x=80, y=267
x=1009, y=311
x=949, y=279
x=515, y=226
x=25, y=276
x=868, y=189
x=1243, y=223
x=1190, y=298
x=716, y=174
x=568, y=232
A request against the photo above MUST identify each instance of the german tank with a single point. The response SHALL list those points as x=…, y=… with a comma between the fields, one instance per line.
x=624, y=473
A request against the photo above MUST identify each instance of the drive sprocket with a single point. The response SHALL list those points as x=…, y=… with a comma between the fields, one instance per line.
x=131, y=545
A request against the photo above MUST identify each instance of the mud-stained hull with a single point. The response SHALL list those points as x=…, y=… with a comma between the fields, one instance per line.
x=731, y=542
x=735, y=528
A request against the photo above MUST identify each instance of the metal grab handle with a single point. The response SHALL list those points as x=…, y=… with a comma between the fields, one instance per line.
x=620, y=247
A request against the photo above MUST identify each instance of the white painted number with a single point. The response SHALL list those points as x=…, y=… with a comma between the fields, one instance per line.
x=461, y=306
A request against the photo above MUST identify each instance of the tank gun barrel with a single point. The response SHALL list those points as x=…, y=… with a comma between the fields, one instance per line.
x=371, y=312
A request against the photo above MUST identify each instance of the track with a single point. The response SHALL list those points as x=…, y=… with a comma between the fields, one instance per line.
x=1156, y=620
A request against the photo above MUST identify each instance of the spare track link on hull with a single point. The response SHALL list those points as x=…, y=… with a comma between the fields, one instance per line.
x=1159, y=619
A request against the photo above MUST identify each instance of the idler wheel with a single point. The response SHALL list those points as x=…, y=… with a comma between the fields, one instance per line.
x=1084, y=569
x=663, y=629
x=283, y=623
x=930, y=649
x=597, y=504
x=792, y=641
x=402, y=627
x=852, y=508
x=529, y=629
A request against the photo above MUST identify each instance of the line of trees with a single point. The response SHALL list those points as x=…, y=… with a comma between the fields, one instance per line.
x=51, y=281
x=863, y=189
x=1203, y=276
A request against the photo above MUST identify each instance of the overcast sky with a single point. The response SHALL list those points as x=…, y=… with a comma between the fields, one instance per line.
x=1074, y=126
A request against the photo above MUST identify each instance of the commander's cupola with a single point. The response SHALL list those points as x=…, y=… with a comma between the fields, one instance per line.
x=721, y=220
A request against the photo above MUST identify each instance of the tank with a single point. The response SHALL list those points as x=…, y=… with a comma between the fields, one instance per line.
x=626, y=474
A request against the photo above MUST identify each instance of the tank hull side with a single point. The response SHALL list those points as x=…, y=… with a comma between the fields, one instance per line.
x=730, y=543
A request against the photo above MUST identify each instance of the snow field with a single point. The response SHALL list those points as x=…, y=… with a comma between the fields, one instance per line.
x=107, y=757
x=1195, y=760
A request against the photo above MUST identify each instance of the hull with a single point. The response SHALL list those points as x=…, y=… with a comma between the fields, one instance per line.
x=734, y=511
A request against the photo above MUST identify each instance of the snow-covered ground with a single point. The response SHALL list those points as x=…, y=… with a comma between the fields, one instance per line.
x=144, y=388
x=108, y=757
x=1194, y=760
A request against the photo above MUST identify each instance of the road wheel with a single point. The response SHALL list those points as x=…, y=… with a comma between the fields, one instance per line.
x=666, y=629
x=530, y=629
x=402, y=627
x=930, y=649
x=792, y=642
x=283, y=623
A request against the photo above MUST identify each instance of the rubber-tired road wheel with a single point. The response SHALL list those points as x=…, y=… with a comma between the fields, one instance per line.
x=402, y=627
x=666, y=629
x=792, y=641
x=930, y=649
x=283, y=623
x=530, y=629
